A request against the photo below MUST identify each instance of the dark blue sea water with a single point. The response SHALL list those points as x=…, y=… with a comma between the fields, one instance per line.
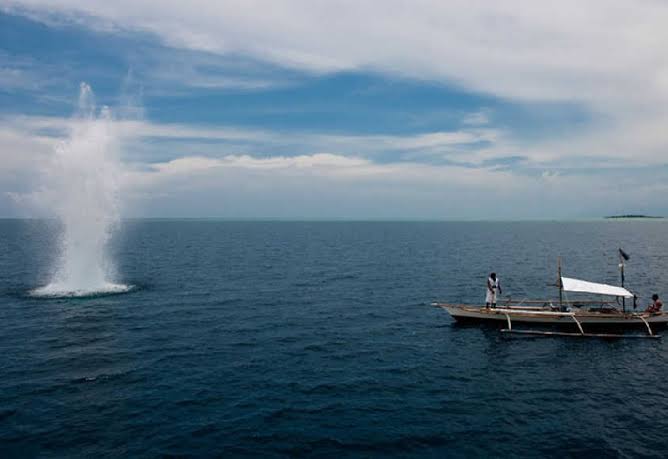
x=297, y=339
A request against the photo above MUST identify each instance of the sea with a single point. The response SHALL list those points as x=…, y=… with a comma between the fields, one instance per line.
x=319, y=339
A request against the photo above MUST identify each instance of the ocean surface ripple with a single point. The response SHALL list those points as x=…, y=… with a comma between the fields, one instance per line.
x=318, y=339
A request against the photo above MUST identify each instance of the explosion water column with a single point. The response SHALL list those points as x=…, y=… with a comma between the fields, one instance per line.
x=82, y=190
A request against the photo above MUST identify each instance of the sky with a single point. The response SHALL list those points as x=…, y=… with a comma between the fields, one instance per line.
x=309, y=109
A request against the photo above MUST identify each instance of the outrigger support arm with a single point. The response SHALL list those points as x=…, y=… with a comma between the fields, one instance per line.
x=649, y=329
x=578, y=323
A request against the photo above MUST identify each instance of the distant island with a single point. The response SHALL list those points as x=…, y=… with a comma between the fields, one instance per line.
x=633, y=216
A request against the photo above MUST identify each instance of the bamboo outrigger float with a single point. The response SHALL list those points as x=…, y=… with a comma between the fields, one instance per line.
x=587, y=318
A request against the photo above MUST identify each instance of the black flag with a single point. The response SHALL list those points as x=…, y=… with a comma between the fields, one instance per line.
x=624, y=255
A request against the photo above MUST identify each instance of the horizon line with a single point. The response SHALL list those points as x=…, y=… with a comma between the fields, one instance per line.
x=367, y=220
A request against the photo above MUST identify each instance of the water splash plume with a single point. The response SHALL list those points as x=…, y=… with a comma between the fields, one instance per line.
x=82, y=190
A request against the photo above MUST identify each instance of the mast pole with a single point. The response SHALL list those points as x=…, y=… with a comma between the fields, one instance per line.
x=559, y=284
x=621, y=272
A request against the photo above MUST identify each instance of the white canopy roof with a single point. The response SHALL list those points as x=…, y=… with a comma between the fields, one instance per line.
x=577, y=285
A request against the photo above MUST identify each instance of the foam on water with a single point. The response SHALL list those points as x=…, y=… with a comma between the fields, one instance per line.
x=56, y=290
x=82, y=190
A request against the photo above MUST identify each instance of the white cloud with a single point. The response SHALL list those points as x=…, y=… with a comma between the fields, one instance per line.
x=319, y=183
x=20, y=73
x=333, y=166
x=472, y=145
x=606, y=55
x=601, y=52
x=19, y=152
x=450, y=143
x=479, y=118
x=329, y=185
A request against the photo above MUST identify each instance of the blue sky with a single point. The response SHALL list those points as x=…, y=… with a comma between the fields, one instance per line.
x=294, y=109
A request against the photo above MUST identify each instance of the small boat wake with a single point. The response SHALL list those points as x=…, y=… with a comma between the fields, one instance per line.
x=58, y=290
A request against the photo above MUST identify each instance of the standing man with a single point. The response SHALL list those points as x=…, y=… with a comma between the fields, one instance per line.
x=493, y=286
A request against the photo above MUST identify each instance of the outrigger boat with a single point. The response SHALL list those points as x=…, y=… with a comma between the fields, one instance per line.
x=584, y=318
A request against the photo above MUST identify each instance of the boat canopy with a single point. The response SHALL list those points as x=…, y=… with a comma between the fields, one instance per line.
x=577, y=285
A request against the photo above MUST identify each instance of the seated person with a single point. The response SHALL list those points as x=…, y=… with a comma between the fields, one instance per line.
x=656, y=305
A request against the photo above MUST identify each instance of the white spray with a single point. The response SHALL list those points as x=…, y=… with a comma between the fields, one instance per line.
x=82, y=189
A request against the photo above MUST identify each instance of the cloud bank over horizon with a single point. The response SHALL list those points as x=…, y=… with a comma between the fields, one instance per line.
x=293, y=109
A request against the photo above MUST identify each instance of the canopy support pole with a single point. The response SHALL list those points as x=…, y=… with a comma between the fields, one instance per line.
x=560, y=285
x=621, y=272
